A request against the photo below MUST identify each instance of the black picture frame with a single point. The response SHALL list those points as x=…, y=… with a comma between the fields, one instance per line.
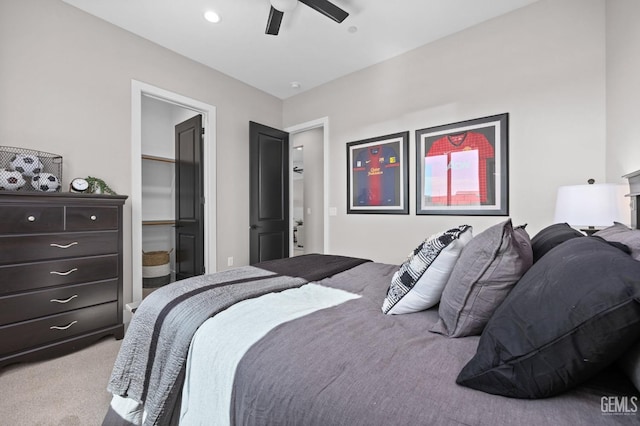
x=378, y=175
x=462, y=168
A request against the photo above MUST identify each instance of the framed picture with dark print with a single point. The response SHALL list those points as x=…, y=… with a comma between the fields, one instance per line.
x=378, y=175
x=462, y=168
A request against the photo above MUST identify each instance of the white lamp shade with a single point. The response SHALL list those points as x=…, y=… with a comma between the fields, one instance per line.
x=596, y=205
x=284, y=5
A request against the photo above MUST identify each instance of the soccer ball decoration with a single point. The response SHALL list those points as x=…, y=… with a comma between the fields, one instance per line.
x=10, y=180
x=45, y=182
x=27, y=164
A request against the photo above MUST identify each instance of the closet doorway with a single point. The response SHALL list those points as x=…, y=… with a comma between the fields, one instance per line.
x=155, y=114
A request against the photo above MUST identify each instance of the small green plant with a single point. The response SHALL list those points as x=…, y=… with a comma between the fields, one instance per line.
x=98, y=186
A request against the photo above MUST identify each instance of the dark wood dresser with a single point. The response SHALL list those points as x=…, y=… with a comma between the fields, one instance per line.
x=60, y=272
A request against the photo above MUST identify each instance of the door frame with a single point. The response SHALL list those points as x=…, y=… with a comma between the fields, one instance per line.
x=138, y=90
x=299, y=128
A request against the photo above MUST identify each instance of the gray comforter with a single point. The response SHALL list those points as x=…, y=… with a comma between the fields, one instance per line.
x=150, y=366
x=349, y=364
x=352, y=365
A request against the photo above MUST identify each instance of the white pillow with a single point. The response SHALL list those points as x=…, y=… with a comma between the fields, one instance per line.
x=420, y=281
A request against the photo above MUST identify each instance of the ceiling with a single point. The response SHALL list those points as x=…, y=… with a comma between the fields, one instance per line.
x=311, y=49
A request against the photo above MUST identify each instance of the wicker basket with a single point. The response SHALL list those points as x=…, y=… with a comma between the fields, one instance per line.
x=155, y=258
x=156, y=271
x=28, y=170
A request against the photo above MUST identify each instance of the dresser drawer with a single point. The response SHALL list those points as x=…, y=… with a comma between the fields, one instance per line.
x=35, y=304
x=28, y=219
x=91, y=218
x=15, y=249
x=28, y=334
x=30, y=276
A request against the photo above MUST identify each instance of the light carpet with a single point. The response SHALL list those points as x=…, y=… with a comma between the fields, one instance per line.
x=70, y=390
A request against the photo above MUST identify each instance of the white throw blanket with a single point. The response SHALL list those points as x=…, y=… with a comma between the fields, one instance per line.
x=148, y=370
x=221, y=342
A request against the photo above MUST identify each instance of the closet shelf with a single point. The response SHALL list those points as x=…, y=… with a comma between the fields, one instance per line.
x=158, y=222
x=155, y=158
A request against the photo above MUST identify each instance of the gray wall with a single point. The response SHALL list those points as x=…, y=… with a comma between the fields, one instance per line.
x=541, y=64
x=65, y=87
x=570, y=86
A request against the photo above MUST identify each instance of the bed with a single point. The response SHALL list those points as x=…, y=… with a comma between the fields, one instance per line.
x=507, y=330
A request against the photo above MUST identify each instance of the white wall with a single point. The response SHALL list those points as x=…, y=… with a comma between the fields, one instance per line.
x=623, y=88
x=158, y=126
x=540, y=64
x=65, y=87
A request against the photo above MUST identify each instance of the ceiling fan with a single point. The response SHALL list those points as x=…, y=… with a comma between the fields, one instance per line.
x=279, y=7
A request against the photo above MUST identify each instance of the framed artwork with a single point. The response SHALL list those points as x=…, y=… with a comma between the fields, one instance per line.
x=378, y=175
x=462, y=168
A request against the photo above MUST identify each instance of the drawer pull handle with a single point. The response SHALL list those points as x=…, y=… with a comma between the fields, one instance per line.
x=64, y=273
x=56, y=327
x=93, y=217
x=31, y=218
x=66, y=246
x=64, y=301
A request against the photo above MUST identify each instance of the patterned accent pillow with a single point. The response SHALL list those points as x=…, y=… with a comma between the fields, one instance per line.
x=419, y=282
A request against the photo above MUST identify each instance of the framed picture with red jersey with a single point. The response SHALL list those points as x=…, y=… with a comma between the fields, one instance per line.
x=378, y=175
x=462, y=168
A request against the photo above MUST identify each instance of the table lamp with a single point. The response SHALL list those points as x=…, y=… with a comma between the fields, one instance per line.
x=593, y=206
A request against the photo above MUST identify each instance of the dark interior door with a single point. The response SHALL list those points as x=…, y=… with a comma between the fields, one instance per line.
x=189, y=199
x=269, y=193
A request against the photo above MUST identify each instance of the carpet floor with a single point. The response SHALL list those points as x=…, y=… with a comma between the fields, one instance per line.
x=70, y=390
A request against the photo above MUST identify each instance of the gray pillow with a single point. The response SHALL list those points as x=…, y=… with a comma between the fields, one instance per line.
x=619, y=233
x=488, y=267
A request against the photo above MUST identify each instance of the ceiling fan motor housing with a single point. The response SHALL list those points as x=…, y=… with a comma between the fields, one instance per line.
x=279, y=7
x=284, y=5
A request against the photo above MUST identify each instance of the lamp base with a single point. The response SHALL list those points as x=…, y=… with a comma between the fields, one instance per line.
x=589, y=231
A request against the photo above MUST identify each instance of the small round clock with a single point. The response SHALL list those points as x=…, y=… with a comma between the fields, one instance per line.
x=79, y=185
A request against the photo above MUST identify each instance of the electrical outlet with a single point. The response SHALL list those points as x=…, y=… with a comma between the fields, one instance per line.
x=230, y=261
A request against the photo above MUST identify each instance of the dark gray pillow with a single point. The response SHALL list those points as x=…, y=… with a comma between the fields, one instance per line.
x=630, y=364
x=550, y=237
x=571, y=315
x=488, y=267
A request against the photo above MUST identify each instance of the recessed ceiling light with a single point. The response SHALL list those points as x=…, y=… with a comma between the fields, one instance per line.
x=352, y=29
x=295, y=84
x=212, y=16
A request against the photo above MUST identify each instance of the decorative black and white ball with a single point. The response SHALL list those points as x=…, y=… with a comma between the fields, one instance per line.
x=27, y=164
x=45, y=182
x=11, y=180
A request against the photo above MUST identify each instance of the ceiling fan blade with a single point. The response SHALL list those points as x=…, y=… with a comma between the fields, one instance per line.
x=327, y=8
x=275, y=19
